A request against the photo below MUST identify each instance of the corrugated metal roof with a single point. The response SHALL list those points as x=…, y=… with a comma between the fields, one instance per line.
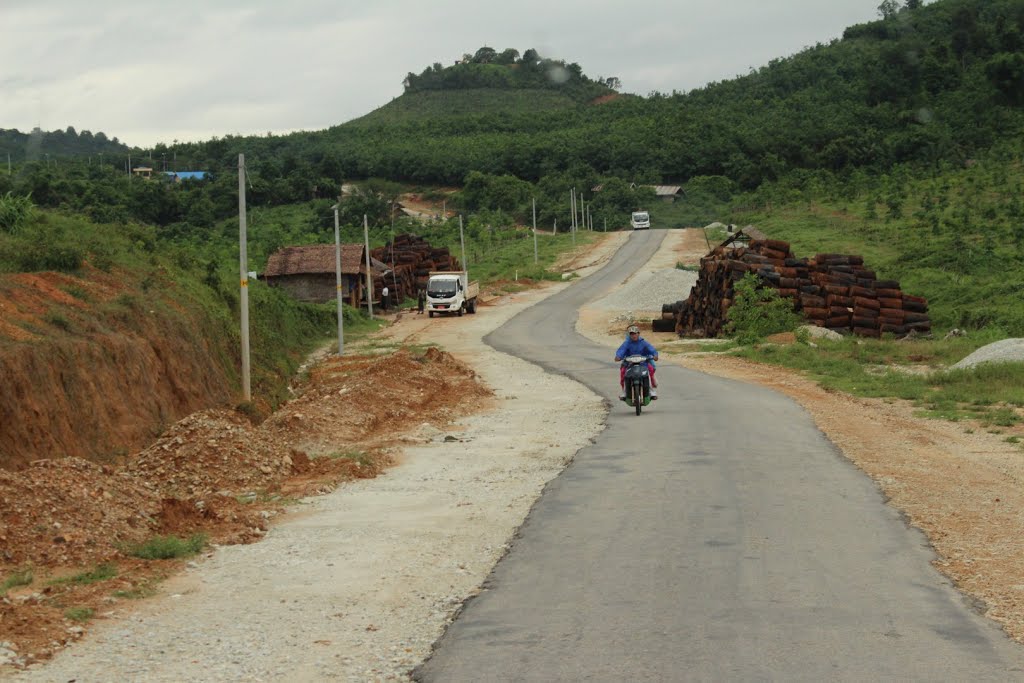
x=314, y=258
x=667, y=190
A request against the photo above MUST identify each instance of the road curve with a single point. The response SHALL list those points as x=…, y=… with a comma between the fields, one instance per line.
x=718, y=536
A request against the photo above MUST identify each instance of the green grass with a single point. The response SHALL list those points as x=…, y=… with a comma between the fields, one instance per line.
x=79, y=613
x=101, y=572
x=361, y=458
x=19, y=578
x=167, y=547
x=144, y=590
x=913, y=370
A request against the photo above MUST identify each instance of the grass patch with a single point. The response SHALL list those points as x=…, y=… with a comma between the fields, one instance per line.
x=144, y=590
x=914, y=371
x=21, y=578
x=79, y=613
x=167, y=547
x=361, y=458
x=101, y=572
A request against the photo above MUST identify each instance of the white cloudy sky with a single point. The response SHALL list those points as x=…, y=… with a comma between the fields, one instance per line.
x=151, y=71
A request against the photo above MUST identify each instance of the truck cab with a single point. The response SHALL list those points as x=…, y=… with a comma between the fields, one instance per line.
x=640, y=220
x=451, y=292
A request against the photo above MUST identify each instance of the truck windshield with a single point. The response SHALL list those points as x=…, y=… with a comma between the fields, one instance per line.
x=639, y=217
x=441, y=288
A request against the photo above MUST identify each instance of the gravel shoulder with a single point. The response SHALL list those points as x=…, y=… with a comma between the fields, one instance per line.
x=359, y=583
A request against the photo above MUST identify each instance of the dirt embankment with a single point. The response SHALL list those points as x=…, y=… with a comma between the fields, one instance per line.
x=91, y=370
x=213, y=473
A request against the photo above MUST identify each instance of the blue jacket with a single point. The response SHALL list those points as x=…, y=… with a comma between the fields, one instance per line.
x=640, y=347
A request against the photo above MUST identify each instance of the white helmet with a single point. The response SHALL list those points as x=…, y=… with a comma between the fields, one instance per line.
x=632, y=329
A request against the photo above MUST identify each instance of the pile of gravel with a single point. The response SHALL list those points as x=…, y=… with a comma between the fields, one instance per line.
x=648, y=291
x=1003, y=351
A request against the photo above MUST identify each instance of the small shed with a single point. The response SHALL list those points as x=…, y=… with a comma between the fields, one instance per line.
x=308, y=272
x=667, y=193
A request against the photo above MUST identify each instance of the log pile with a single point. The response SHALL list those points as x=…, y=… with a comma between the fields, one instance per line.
x=835, y=291
x=410, y=258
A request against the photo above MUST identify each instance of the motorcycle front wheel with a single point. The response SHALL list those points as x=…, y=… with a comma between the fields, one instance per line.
x=638, y=397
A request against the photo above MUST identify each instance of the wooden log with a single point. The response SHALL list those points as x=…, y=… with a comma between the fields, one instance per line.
x=857, y=290
x=893, y=329
x=841, y=290
x=864, y=312
x=890, y=303
x=839, y=310
x=858, y=321
x=833, y=300
x=837, y=321
x=887, y=284
x=811, y=301
x=865, y=302
x=914, y=306
x=884, y=292
x=816, y=313
x=893, y=313
x=867, y=332
x=912, y=317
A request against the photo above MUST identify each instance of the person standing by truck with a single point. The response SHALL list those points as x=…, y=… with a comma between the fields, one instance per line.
x=421, y=300
x=384, y=298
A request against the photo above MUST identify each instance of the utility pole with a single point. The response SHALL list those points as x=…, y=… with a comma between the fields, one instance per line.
x=572, y=211
x=462, y=241
x=337, y=271
x=243, y=265
x=535, y=260
x=369, y=272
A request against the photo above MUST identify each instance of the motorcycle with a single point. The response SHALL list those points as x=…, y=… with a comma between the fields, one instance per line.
x=638, y=382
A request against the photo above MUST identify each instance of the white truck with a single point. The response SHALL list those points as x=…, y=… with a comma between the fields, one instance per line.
x=450, y=291
x=640, y=220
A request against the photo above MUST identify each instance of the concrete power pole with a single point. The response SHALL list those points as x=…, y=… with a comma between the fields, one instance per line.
x=243, y=265
x=369, y=271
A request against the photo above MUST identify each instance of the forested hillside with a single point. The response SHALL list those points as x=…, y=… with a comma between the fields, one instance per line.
x=907, y=125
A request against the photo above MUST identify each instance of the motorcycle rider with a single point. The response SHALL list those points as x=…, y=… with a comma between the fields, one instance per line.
x=635, y=345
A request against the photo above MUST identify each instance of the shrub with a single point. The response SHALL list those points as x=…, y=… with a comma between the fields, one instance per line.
x=22, y=578
x=167, y=547
x=14, y=212
x=757, y=312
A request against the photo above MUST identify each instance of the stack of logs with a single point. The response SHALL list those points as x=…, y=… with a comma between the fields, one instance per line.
x=835, y=291
x=411, y=259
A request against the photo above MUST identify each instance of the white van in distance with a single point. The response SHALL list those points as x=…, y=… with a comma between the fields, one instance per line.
x=640, y=220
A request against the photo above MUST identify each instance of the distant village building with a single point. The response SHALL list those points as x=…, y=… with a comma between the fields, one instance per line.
x=178, y=176
x=308, y=273
x=666, y=193
x=143, y=172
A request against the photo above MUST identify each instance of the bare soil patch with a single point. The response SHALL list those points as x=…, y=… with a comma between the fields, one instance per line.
x=214, y=473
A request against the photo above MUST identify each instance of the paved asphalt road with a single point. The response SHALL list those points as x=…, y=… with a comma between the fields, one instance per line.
x=717, y=537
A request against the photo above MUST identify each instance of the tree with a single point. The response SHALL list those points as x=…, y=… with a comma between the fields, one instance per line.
x=507, y=56
x=888, y=9
x=485, y=55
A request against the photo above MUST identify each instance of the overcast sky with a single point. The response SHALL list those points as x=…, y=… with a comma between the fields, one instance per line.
x=149, y=71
